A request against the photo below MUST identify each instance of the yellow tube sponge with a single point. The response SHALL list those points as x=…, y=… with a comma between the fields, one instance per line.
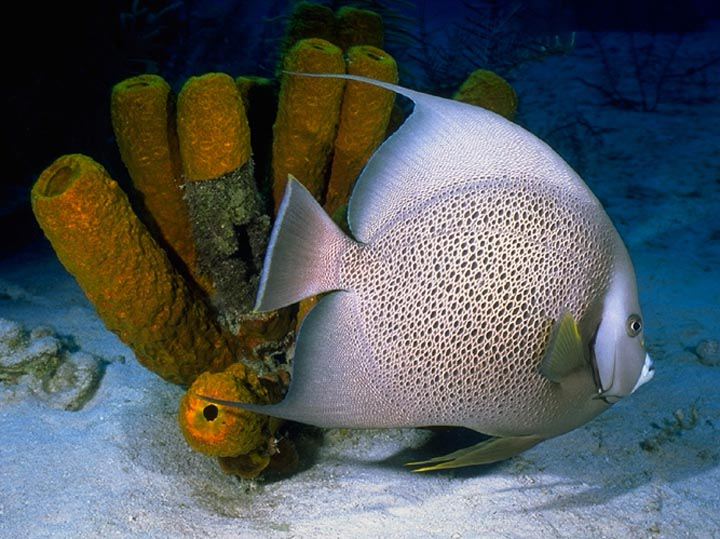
x=212, y=127
x=307, y=117
x=222, y=431
x=486, y=89
x=125, y=273
x=143, y=118
x=359, y=27
x=308, y=20
x=364, y=118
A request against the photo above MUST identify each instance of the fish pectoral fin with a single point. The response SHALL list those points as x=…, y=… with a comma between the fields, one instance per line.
x=565, y=352
x=487, y=452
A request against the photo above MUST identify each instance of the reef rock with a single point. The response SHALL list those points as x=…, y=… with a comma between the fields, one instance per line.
x=708, y=352
x=45, y=365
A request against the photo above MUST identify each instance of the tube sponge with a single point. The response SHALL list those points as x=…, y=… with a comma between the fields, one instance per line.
x=212, y=127
x=364, y=118
x=359, y=27
x=244, y=442
x=228, y=220
x=490, y=91
x=143, y=118
x=308, y=20
x=308, y=113
x=222, y=431
x=125, y=273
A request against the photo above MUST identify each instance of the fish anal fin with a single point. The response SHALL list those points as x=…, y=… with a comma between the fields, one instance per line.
x=565, y=352
x=487, y=452
x=330, y=384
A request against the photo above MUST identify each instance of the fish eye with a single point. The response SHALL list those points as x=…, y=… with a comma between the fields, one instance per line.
x=633, y=325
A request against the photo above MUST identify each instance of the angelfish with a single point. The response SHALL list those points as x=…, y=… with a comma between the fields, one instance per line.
x=484, y=286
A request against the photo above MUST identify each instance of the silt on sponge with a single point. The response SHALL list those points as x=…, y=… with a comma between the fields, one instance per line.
x=228, y=220
x=246, y=441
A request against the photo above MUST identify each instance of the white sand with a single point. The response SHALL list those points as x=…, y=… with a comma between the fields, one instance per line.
x=120, y=467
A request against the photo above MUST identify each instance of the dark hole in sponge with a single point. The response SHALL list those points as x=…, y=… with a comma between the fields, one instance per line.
x=210, y=412
x=60, y=181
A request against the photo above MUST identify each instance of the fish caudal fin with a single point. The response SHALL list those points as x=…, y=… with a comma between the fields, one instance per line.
x=302, y=257
x=487, y=452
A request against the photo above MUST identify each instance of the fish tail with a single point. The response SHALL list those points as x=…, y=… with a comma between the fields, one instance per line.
x=303, y=256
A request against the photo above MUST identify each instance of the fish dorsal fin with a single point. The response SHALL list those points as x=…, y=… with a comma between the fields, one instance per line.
x=444, y=143
x=565, y=352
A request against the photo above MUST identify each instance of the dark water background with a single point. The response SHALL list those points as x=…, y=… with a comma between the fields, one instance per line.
x=62, y=59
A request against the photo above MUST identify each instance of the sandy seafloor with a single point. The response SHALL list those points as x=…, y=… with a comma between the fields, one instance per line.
x=119, y=467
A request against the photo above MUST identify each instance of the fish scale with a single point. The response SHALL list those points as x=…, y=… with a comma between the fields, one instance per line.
x=484, y=287
x=459, y=268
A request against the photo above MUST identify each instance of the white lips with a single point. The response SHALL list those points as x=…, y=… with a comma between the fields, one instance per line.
x=648, y=371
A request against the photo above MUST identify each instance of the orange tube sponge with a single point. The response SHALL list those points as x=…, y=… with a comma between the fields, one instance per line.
x=143, y=118
x=308, y=20
x=308, y=113
x=244, y=442
x=359, y=27
x=212, y=127
x=490, y=91
x=125, y=274
x=222, y=431
x=364, y=118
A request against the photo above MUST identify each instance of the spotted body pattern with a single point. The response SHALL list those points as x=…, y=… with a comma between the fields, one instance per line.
x=484, y=287
x=457, y=304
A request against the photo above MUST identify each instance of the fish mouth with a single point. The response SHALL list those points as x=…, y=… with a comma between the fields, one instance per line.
x=647, y=373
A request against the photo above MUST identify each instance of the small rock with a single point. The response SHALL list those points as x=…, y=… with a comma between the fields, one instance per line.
x=46, y=365
x=11, y=336
x=74, y=382
x=709, y=352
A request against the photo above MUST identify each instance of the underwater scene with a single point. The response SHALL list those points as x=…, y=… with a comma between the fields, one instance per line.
x=372, y=269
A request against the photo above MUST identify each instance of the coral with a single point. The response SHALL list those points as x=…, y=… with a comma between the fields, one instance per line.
x=642, y=71
x=348, y=27
x=307, y=118
x=364, y=118
x=127, y=276
x=231, y=231
x=229, y=225
x=179, y=289
x=283, y=458
x=212, y=127
x=143, y=119
x=486, y=89
x=308, y=20
x=247, y=440
x=324, y=121
x=50, y=367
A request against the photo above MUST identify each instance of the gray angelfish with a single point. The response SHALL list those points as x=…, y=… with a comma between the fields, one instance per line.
x=484, y=287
